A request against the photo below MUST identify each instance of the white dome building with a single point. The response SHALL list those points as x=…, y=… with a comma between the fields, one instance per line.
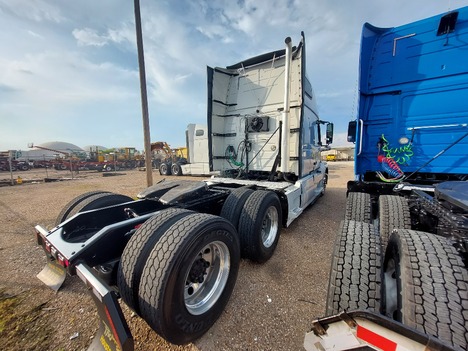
x=51, y=150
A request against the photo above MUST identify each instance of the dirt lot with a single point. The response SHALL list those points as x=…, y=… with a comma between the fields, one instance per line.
x=271, y=307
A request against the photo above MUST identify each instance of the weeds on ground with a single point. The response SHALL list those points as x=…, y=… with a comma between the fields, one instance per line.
x=20, y=328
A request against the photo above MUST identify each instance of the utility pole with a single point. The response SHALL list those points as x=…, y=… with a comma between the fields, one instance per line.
x=144, y=97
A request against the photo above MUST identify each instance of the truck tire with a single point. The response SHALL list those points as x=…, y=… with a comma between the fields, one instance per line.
x=355, y=275
x=164, y=169
x=324, y=183
x=393, y=214
x=189, y=277
x=64, y=214
x=426, y=286
x=260, y=225
x=358, y=207
x=176, y=169
x=98, y=201
x=232, y=207
x=137, y=250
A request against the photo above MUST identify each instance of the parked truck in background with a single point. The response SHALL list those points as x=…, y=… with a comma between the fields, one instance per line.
x=197, y=146
x=194, y=158
x=173, y=255
x=402, y=249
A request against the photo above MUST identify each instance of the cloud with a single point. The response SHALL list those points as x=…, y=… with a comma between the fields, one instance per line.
x=34, y=34
x=7, y=89
x=215, y=31
x=36, y=10
x=89, y=37
x=124, y=34
x=341, y=139
x=74, y=63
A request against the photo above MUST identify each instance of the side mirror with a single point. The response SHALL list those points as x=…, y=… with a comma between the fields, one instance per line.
x=352, y=131
x=329, y=134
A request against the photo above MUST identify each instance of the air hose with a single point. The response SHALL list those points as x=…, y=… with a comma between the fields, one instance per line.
x=391, y=168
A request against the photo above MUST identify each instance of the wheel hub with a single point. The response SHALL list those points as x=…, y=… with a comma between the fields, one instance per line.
x=206, y=278
x=198, y=271
x=270, y=225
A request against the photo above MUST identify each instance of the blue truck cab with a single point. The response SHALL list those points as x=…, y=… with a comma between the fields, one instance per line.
x=413, y=101
x=399, y=277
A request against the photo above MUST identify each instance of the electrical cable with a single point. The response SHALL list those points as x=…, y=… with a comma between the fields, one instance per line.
x=400, y=155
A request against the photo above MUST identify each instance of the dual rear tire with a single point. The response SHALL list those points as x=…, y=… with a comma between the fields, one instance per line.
x=413, y=277
x=257, y=217
x=90, y=201
x=426, y=286
x=179, y=268
x=178, y=271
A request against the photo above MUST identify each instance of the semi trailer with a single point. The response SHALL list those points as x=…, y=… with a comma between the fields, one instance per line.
x=173, y=254
x=399, y=278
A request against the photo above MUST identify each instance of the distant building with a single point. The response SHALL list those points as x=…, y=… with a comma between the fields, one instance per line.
x=339, y=153
x=94, y=148
x=49, y=151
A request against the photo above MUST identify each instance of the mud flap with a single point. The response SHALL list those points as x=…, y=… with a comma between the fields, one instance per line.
x=113, y=333
x=53, y=275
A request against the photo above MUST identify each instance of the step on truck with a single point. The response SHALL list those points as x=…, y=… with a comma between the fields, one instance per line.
x=173, y=254
x=399, y=277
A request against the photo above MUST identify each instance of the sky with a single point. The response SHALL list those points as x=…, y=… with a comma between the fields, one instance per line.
x=69, y=69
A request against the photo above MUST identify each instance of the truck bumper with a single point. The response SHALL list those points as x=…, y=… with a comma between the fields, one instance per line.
x=367, y=330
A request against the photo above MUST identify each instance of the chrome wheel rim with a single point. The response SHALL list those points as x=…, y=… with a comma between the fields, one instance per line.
x=391, y=289
x=269, y=226
x=206, y=277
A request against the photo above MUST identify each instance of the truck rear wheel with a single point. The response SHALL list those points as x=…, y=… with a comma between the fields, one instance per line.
x=164, y=169
x=355, y=275
x=358, y=207
x=99, y=200
x=260, y=225
x=426, y=286
x=63, y=215
x=189, y=277
x=176, y=169
x=137, y=250
x=232, y=207
x=393, y=214
x=324, y=183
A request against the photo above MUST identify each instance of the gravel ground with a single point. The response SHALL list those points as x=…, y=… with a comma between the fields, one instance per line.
x=271, y=308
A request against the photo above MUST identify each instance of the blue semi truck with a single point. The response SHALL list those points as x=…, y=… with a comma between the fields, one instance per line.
x=399, y=278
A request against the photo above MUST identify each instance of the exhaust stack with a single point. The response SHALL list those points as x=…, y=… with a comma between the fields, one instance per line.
x=285, y=116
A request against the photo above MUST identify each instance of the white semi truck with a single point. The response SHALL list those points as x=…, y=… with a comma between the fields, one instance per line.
x=173, y=254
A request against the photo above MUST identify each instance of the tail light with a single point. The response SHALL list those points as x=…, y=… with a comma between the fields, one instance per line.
x=49, y=248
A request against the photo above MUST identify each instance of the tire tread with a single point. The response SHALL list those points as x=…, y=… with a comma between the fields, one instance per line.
x=358, y=207
x=355, y=275
x=434, y=286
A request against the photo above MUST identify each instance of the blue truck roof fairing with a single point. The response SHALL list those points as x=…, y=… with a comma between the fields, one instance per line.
x=414, y=85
